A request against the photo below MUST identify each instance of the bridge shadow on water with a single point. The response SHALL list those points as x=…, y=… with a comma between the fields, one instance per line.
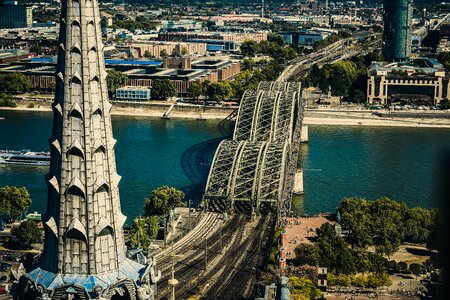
x=196, y=162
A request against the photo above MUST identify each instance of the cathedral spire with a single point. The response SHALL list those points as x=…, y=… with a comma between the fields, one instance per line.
x=84, y=246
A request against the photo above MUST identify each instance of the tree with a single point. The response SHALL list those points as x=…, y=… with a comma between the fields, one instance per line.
x=14, y=83
x=163, y=53
x=115, y=79
x=275, y=38
x=195, y=90
x=143, y=230
x=358, y=96
x=184, y=51
x=249, y=48
x=219, y=91
x=303, y=288
x=306, y=254
x=28, y=233
x=444, y=103
x=6, y=100
x=36, y=49
x=162, y=200
x=147, y=54
x=163, y=89
x=176, y=52
x=14, y=201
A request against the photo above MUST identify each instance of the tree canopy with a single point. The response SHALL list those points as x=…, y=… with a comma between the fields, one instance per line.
x=385, y=223
x=14, y=201
x=28, y=233
x=115, y=79
x=143, y=230
x=14, y=83
x=162, y=200
x=163, y=89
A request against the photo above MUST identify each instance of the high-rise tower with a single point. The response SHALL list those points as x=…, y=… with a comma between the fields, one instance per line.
x=84, y=250
x=397, y=30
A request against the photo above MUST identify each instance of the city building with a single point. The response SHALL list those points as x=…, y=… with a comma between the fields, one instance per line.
x=422, y=81
x=133, y=93
x=154, y=49
x=304, y=37
x=16, y=16
x=397, y=30
x=84, y=255
x=237, y=37
x=181, y=71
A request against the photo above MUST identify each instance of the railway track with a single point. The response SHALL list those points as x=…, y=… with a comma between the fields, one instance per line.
x=230, y=273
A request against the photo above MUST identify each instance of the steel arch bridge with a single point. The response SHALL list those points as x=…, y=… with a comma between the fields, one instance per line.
x=255, y=169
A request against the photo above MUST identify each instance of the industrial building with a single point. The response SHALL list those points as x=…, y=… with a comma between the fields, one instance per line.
x=397, y=30
x=422, y=81
x=16, y=16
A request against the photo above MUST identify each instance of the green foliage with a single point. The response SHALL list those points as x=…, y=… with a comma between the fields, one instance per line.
x=7, y=100
x=444, y=58
x=163, y=53
x=163, y=89
x=417, y=269
x=275, y=38
x=196, y=90
x=147, y=54
x=249, y=48
x=219, y=91
x=444, y=103
x=385, y=224
x=306, y=254
x=115, y=79
x=143, y=231
x=14, y=201
x=303, y=288
x=176, y=52
x=372, y=280
x=28, y=233
x=14, y=83
x=162, y=200
x=36, y=49
x=184, y=51
x=139, y=23
x=31, y=105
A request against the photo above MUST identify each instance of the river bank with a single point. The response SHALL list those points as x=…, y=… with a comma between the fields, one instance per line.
x=337, y=117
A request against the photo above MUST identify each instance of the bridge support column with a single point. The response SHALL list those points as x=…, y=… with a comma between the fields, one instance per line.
x=304, y=134
x=298, y=182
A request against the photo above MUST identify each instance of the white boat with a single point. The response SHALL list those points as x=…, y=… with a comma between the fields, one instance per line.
x=24, y=157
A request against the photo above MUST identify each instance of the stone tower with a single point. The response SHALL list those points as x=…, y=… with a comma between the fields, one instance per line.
x=84, y=250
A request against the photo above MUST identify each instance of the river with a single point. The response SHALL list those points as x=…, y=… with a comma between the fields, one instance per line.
x=339, y=161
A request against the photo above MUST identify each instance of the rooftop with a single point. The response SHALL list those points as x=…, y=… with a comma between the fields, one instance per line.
x=417, y=66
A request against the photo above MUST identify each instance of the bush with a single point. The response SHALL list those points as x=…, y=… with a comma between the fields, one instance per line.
x=31, y=105
x=7, y=100
x=417, y=269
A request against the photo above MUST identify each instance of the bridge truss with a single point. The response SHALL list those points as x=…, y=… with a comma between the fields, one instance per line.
x=256, y=168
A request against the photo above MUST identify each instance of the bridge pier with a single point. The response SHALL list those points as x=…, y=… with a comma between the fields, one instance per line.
x=298, y=182
x=304, y=136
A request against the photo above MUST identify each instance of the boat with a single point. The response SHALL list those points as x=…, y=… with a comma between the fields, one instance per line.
x=24, y=157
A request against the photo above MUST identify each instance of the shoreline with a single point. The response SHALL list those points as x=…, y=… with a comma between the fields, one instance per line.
x=312, y=117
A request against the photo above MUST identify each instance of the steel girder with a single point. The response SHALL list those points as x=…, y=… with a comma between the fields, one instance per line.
x=248, y=171
x=257, y=166
x=246, y=115
x=221, y=172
